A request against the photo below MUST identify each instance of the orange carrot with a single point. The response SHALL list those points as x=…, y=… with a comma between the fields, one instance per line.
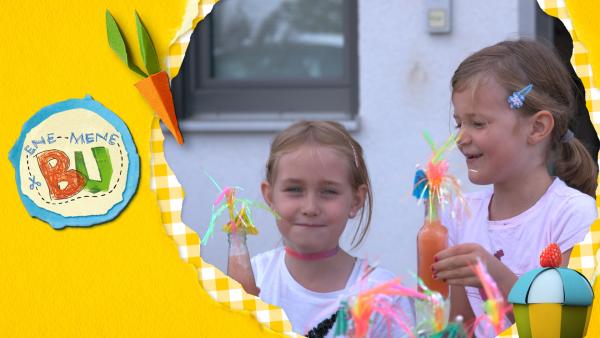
x=157, y=92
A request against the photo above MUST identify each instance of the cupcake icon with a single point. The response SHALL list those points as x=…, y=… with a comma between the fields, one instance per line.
x=552, y=301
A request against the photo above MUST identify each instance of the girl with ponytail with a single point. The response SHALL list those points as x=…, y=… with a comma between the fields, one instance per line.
x=512, y=103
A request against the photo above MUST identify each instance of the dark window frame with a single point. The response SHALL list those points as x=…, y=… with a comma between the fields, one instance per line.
x=198, y=97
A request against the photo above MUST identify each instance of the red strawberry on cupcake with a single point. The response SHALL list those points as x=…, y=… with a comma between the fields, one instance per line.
x=551, y=257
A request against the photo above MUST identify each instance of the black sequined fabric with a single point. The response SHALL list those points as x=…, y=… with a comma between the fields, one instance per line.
x=322, y=328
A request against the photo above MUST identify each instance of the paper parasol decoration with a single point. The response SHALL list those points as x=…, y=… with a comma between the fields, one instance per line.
x=435, y=184
x=495, y=307
x=356, y=315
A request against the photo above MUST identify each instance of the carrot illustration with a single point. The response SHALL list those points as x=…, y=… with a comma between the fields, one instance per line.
x=155, y=86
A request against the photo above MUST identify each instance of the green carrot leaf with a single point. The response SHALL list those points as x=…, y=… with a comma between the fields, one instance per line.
x=147, y=47
x=118, y=45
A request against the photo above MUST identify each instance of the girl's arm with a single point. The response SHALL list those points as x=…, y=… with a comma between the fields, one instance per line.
x=239, y=266
x=455, y=265
x=459, y=304
x=565, y=258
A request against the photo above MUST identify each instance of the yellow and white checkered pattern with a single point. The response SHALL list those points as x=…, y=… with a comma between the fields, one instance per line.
x=582, y=257
x=179, y=45
x=170, y=199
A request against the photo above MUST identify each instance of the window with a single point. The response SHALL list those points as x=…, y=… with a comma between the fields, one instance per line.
x=268, y=62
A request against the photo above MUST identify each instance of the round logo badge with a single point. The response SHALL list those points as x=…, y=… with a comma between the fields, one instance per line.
x=75, y=164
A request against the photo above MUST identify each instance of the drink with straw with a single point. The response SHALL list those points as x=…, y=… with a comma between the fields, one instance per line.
x=238, y=226
x=238, y=263
x=431, y=239
x=434, y=186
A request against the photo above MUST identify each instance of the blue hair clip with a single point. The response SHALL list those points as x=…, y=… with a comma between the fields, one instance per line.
x=517, y=99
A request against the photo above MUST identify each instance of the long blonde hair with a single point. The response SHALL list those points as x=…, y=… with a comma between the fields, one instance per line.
x=329, y=134
x=515, y=64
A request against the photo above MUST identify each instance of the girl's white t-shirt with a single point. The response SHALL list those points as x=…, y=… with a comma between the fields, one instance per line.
x=305, y=308
x=563, y=215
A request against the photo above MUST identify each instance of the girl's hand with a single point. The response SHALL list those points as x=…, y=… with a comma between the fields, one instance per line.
x=454, y=265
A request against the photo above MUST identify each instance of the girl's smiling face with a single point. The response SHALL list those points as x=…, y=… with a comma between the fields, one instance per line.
x=493, y=136
x=313, y=195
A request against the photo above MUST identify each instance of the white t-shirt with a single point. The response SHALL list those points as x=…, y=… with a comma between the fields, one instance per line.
x=305, y=308
x=562, y=215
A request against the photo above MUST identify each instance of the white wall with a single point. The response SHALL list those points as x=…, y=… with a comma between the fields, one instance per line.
x=404, y=89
